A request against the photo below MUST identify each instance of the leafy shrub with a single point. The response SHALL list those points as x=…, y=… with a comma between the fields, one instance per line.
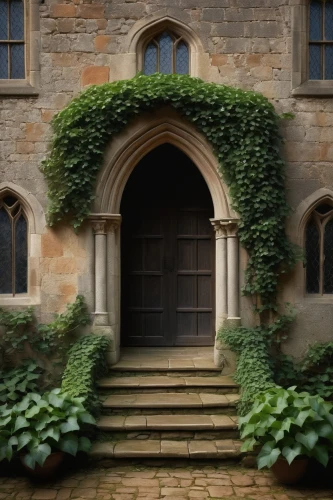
x=313, y=374
x=288, y=423
x=40, y=424
x=254, y=371
x=86, y=363
x=243, y=129
x=46, y=344
x=18, y=382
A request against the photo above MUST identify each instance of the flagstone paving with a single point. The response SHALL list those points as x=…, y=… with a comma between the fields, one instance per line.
x=169, y=482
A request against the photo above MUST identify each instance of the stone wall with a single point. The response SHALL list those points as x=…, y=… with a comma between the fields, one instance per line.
x=244, y=43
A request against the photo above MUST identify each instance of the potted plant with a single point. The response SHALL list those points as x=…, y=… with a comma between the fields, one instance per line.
x=288, y=425
x=40, y=428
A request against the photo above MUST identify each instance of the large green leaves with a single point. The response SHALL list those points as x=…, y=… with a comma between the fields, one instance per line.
x=49, y=421
x=268, y=455
x=285, y=421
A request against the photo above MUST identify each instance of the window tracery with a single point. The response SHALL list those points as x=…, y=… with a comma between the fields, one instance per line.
x=166, y=53
x=13, y=246
x=319, y=250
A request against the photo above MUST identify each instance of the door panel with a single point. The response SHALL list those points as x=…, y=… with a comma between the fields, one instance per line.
x=167, y=254
x=194, y=288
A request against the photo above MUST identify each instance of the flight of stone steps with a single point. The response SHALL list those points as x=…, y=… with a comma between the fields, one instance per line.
x=176, y=408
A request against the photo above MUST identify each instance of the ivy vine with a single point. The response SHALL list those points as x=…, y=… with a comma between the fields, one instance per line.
x=243, y=129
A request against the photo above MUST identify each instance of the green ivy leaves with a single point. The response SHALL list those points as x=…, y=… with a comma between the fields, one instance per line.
x=242, y=127
x=86, y=363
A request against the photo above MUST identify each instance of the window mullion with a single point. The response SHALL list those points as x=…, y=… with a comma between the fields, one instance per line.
x=13, y=255
x=321, y=260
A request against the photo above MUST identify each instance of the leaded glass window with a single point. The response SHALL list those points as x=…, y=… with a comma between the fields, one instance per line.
x=321, y=40
x=12, y=64
x=166, y=53
x=13, y=247
x=319, y=250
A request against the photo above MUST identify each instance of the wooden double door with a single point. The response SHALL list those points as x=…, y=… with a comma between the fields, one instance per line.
x=167, y=254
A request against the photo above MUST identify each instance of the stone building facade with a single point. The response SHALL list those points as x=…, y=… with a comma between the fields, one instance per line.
x=261, y=45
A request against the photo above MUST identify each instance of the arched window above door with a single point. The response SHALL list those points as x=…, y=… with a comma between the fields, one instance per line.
x=319, y=250
x=166, y=53
x=13, y=246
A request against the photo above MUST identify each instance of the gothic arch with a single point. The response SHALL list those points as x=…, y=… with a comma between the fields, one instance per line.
x=145, y=134
x=304, y=209
x=36, y=225
x=173, y=20
x=32, y=208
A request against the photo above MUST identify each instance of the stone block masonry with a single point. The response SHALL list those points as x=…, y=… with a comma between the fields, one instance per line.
x=245, y=43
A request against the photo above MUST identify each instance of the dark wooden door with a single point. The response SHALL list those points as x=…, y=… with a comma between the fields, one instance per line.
x=167, y=259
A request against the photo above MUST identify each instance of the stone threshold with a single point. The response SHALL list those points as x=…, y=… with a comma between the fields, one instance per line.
x=166, y=381
x=167, y=422
x=170, y=400
x=225, y=448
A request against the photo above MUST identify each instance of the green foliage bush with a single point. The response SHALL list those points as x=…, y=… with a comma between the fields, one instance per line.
x=23, y=339
x=254, y=371
x=313, y=374
x=16, y=383
x=40, y=424
x=243, y=129
x=86, y=363
x=288, y=423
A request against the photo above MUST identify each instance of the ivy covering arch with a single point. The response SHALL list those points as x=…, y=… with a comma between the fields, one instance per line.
x=242, y=127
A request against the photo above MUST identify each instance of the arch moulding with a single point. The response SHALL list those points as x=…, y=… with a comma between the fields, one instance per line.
x=141, y=137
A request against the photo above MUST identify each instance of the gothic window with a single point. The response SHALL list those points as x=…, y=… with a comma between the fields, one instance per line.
x=319, y=250
x=166, y=53
x=12, y=65
x=13, y=247
x=321, y=40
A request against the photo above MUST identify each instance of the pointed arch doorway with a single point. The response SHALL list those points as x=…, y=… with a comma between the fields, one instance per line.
x=167, y=253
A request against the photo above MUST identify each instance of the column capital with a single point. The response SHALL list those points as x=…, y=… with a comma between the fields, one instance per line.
x=101, y=223
x=225, y=228
x=98, y=226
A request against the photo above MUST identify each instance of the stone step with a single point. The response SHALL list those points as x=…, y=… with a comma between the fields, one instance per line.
x=170, y=400
x=167, y=422
x=224, y=448
x=140, y=382
x=153, y=384
x=165, y=365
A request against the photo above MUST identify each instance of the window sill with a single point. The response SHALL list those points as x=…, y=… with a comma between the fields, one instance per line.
x=319, y=88
x=17, y=88
x=19, y=300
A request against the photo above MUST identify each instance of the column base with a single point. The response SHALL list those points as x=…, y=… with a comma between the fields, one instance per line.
x=112, y=357
x=106, y=331
x=232, y=322
x=225, y=359
x=101, y=319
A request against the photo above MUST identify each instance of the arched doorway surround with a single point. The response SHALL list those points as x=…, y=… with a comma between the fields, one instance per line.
x=144, y=134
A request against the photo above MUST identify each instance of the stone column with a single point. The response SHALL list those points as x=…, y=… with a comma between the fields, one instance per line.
x=101, y=315
x=227, y=288
x=233, y=271
x=221, y=309
x=106, y=280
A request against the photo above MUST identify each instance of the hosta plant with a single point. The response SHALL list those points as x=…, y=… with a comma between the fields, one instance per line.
x=286, y=423
x=41, y=424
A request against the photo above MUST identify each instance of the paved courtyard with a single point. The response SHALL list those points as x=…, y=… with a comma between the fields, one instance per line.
x=179, y=482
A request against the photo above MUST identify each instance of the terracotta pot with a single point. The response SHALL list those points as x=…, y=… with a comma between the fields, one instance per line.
x=289, y=474
x=49, y=467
